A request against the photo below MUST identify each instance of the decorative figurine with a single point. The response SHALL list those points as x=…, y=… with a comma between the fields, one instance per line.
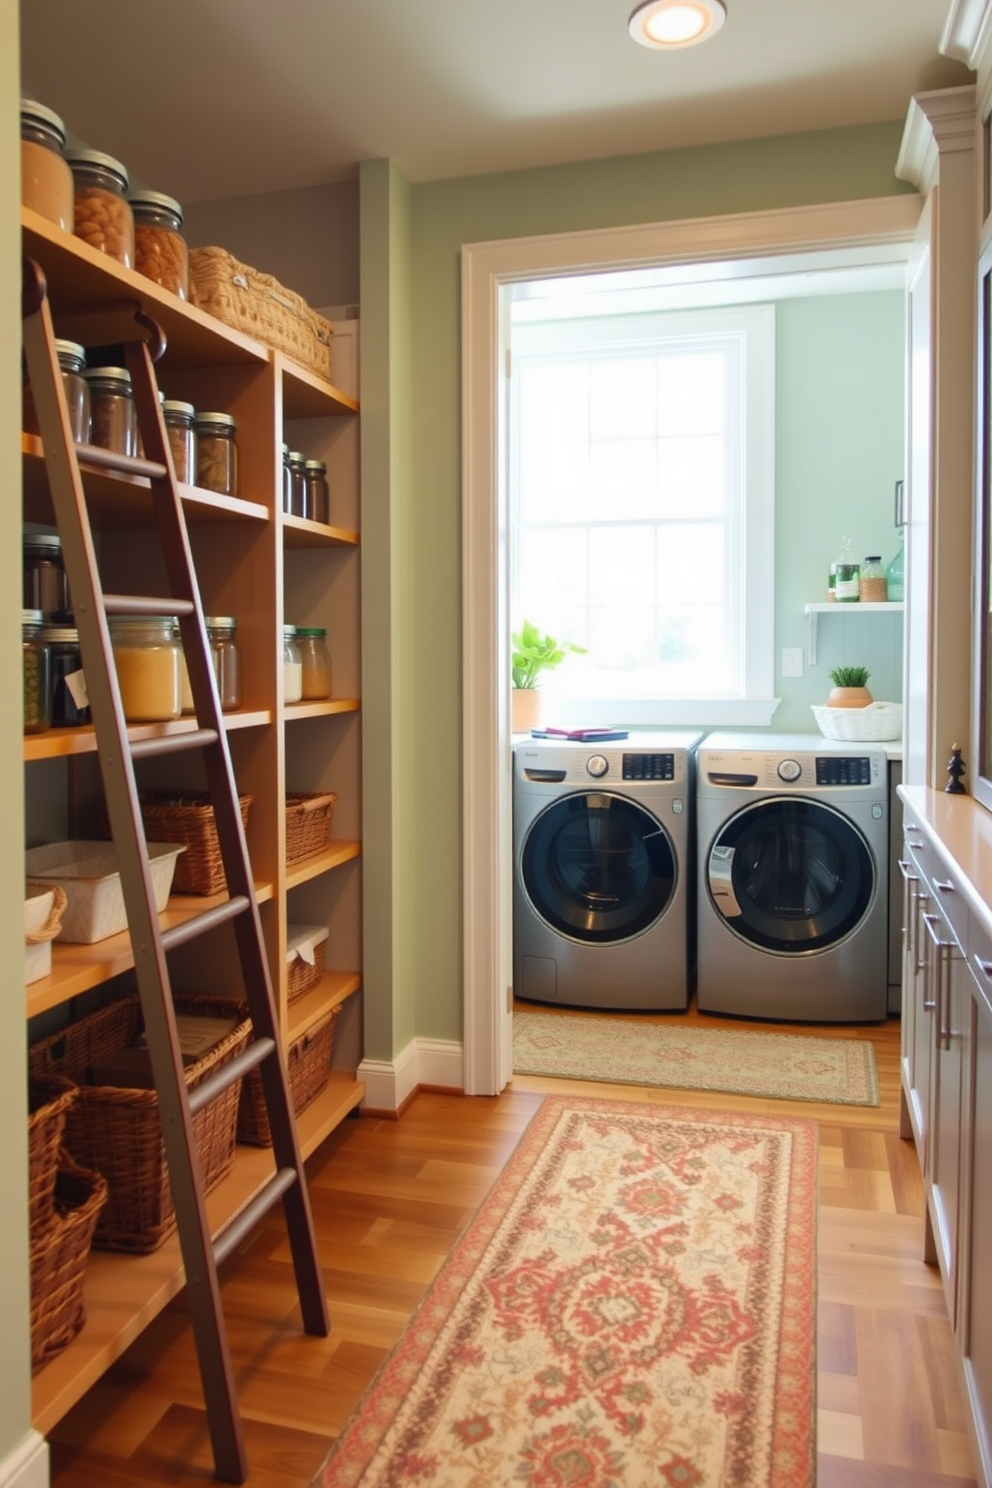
x=955, y=769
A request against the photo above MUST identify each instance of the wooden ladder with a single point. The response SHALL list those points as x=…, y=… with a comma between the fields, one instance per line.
x=202, y=1252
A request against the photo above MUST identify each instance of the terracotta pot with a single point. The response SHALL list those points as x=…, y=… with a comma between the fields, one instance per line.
x=849, y=697
x=525, y=706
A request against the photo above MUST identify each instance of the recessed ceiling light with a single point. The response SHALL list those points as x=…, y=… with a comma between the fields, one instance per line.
x=665, y=24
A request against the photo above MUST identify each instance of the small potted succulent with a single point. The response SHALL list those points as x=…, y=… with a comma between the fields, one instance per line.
x=531, y=654
x=850, y=688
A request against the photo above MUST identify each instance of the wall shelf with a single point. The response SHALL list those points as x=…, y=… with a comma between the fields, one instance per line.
x=831, y=607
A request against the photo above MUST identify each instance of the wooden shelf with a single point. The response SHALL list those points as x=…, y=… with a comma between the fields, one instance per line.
x=333, y=988
x=58, y=743
x=123, y=1293
x=299, y=533
x=78, y=968
x=317, y=863
x=324, y=709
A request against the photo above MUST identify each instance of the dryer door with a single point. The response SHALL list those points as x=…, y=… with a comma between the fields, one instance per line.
x=598, y=867
x=791, y=875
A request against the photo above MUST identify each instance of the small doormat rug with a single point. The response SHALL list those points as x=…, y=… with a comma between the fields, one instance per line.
x=633, y=1303
x=783, y=1066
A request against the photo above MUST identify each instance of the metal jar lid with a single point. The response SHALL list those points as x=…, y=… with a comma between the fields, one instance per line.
x=316, y=465
x=311, y=630
x=45, y=541
x=95, y=160
x=110, y=379
x=72, y=352
x=178, y=409
x=30, y=617
x=220, y=622
x=33, y=112
x=156, y=201
x=60, y=634
x=215, y=421
x=289, y=630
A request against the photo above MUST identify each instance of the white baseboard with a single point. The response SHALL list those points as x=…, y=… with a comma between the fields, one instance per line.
x=27, y=1465
x=388, y=1083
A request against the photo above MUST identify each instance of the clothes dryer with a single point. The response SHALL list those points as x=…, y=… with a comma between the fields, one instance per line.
x=793, y=838
x=603, y=879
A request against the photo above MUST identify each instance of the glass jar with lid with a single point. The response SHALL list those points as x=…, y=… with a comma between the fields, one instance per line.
x=46, y=180
x=216, y=453
x=181, y=435
x=872, y=585
x=227, y=662
x=102, y=214
x=147, y=654
x=37, y=677
x=160, y=250
x=292, y=666
x=72, y=360
x=316, y=495
x=287, y=481
x=113, y=417
x=70, y=700
x=297, y=482
x=316, y=662
x=45, y=586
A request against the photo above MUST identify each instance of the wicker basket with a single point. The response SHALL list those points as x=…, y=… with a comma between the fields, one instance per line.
x=49, y=1099
x=308, y=822
x=117, y=1131
x=308, y=1062
x=259, y=306
x=869, y=725
x=301, y=974
x=187, y=818
x=59, y=1252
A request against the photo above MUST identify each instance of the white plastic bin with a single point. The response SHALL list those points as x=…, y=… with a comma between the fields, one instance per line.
x=87, y=871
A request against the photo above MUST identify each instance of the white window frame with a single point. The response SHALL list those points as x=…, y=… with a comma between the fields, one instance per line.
x=751, y=587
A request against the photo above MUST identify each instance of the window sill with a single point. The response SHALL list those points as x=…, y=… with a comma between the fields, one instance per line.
x=659, y=713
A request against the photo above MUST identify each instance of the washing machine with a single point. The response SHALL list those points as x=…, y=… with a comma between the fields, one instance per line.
x=793, y=841
x=603, y=882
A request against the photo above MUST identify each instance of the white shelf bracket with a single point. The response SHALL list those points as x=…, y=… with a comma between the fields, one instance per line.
x=811, y=624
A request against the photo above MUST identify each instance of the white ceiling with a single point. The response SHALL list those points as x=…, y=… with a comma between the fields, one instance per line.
x=208, y=99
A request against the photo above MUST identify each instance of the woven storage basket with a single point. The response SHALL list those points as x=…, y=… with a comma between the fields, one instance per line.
x=870, y=725
x=300, y=974
x=59, y=1252
x=308, y=1061
x=49, y=1099
x=187, y=818
x=258, y=305
x=308, y=822
x=118, y=1132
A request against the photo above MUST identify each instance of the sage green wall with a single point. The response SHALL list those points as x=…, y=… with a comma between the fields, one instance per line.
x=840, y=442
x=836, y=165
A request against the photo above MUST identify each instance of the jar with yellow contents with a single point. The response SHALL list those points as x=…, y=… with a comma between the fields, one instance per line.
x=147, y=654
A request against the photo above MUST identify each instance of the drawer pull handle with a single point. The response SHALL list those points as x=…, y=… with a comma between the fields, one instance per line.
x=944, y=886
x=985, y=967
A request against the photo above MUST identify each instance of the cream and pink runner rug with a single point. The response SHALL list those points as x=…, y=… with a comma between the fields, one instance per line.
x=633, y=1304
x=683, y=1056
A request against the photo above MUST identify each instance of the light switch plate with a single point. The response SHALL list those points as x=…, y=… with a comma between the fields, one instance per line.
x=792, y=661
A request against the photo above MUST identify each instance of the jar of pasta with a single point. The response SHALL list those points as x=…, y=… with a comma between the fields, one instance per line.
x=160, y=250
x=102, y=212
x=179, y=429
x=147, y=654
x=113, y=417
x=216, y=453
x=46, y=180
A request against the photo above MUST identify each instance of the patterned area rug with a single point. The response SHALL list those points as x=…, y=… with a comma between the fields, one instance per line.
x=785, y=1066
x=634, y=1303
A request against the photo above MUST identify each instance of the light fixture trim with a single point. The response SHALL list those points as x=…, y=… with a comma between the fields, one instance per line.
x=667, y=25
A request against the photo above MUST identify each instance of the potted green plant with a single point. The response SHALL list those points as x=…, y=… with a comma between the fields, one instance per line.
x=533, y=653
x=850, y=688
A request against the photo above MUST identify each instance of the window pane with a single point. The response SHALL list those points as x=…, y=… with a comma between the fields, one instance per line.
x=621, y=566
x=691, y=475
x=552, y=580
x=623, y=478
x=691, y=393
x=690, y=564
x=553, y=439
x=624, y=398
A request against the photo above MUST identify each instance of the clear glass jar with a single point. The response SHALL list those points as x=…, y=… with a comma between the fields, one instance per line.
x=316, y=660
x=182, y=438
x=185, y=689
x=37, y=677
x=872, y=586
x=69, y=698
x=227, y=661
x=292, y=666
x=148, y=657
x=46, y=180
x=287, y=481
x=160, y=250
x=72, y=360
x=216, y=453
x=113, y=417
x=316, y=494
x=102, y=214
x=895, y=573
x=45, y=586
x=297, y=479
x=847, y=575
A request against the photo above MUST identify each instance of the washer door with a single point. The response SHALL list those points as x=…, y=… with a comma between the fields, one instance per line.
x=598, y=867
x=791, y=875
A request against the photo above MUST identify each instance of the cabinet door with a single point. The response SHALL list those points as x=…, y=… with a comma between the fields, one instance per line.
x=917, y=1010
x=975, y=1310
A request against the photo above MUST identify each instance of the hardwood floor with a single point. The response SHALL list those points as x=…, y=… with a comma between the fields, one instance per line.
x=390, y=1199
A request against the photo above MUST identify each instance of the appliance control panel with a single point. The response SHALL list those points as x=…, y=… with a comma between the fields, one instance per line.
x=840, y=769
x=760, y=770
x=649, y=767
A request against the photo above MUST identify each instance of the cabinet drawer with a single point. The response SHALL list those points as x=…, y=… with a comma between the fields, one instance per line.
x=980, y=961
x=945, y=889
x=916, y=845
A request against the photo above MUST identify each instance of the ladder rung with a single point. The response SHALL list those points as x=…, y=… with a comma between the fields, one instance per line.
x=95, y=454
x=208, y=919
x=235, y=1069
x=143, y=604
x=242, y=1224
x=172, y=743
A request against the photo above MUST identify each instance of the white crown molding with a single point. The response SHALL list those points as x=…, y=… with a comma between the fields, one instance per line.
x=937, y=124
x=389, y=1084
x=27, y=1465
x=967, y=31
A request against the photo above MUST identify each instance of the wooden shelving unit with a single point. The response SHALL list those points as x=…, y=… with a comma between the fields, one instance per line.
x=266, y=568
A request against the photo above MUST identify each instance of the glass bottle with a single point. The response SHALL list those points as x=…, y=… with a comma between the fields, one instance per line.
x=227, y=662
x=182, y=438
x=70, y=700
x=216, y=453
x=72, y=360
x=297, y=493
x=45, y=587
x=113, y=417
x=316, y=495
x=894, y=574
x=160, y=250
x=316, y=660
x=37, y=677
x=292, y=666
x=147, y=654
x=847, y=574
x=102, y=214
x=46, y=180
x=872, y=588
x=287, y=480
